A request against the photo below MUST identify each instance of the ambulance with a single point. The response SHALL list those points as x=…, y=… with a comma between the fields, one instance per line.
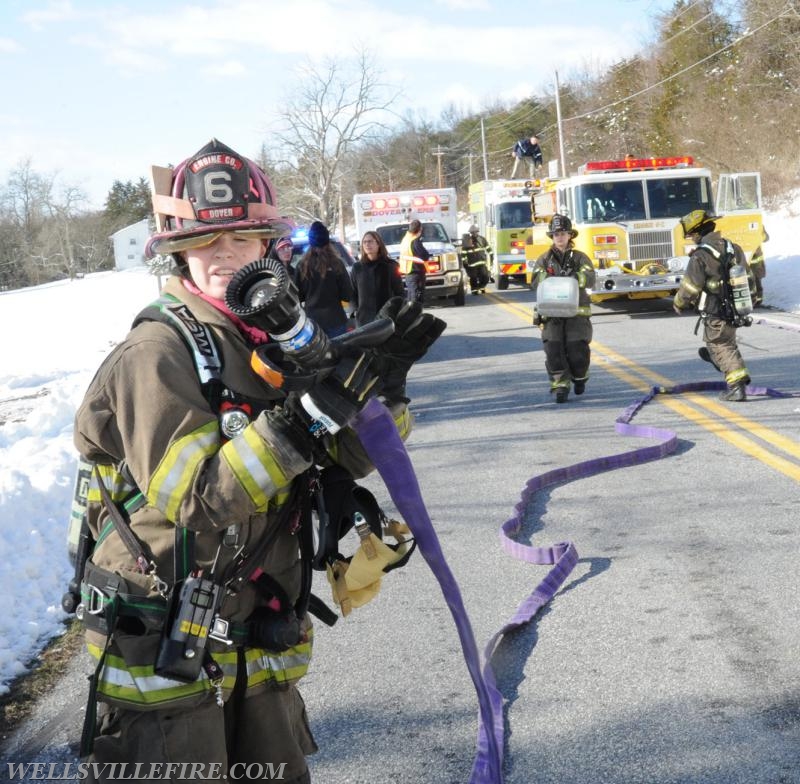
x=501, y=209
x=389, y=214
x=627, y=214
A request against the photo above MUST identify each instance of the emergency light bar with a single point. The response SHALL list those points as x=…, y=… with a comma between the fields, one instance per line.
x=428, y=201
x=393, y=202
x=381, y=204
x=630, y=164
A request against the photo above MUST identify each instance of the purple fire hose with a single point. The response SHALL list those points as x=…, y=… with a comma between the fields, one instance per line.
x=378, y=434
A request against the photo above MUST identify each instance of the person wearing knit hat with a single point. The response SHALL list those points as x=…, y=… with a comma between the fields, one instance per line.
x=318, y=235
x=323, y=282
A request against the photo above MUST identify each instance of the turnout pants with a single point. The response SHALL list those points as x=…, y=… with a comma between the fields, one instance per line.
x=478, y=276
x=566, y=349
x=759, y=273
x=720, y=338
x=262, y=737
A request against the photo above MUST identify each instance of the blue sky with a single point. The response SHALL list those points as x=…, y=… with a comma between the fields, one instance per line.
x=96, y=91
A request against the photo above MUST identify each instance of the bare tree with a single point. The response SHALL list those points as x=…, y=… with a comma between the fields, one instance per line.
x=331, y=110
x=47, y=233
x=61, y=243
x=23, y=214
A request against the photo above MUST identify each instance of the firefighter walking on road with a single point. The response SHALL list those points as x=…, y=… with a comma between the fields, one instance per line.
x=566, y=340
x=718, y=283
x=477, y=257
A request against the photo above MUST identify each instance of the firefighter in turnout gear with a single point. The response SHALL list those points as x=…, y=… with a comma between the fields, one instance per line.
x=709, y=286
x=198, y=500
x=477, y=257
x=759, y=269
x=566, y=340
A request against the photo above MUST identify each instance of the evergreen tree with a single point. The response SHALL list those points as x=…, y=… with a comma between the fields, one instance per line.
x=127, y=203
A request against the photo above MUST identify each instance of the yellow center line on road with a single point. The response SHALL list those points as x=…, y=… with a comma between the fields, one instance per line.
x=754, y=428
x=525, y=311
x=739, y=440
x=645, y=379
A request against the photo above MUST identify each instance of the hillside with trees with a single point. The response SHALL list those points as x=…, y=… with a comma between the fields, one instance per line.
x=720, y=82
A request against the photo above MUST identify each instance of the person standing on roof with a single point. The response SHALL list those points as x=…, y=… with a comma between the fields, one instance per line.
x=530, y=149
x=477, y=257
x=206, y=481
x=324, y=282
x=413, y=255
x=706, y=286
x=566, y=340
x=376, y=279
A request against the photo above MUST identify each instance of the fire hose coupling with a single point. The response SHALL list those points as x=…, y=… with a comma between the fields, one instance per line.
x=263, y=295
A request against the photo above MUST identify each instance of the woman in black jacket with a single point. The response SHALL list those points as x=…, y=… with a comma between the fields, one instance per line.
x=323, y=282
x=376, y=278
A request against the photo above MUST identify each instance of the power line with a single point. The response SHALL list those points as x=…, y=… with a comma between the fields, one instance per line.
x=493, y=156
x=688, y=68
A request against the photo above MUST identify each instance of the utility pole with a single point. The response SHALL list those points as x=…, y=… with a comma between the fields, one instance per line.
x=341, y=214
x=439, y=155
x=485, y=158
x=560, y=131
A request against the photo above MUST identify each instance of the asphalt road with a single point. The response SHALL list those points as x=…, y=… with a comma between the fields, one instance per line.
x=670, y=656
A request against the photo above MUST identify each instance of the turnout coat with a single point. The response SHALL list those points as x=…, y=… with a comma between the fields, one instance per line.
x=145, y=406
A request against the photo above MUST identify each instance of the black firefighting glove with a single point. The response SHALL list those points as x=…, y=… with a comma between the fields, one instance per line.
x=295, y=429
x=414, y=333
x=341, y=392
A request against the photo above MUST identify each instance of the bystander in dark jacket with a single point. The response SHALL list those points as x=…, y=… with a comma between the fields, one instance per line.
x=324, y=282
x=376, y=279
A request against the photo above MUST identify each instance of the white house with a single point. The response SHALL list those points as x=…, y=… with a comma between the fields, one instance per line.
x=129, y=245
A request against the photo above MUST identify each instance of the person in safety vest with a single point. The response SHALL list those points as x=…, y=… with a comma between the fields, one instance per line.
x=476, y=254
x=413, y=255
x=196, y=593
x=706, y=286
x=566, y=340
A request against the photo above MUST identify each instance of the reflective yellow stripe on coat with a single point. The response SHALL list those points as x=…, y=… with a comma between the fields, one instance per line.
x=141, y=686
x=173, y=478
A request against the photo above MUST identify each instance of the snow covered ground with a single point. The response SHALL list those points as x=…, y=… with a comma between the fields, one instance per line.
x=54, y=338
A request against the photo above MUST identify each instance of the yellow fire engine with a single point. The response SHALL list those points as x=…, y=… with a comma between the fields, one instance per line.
x=501, y=210
x=627, y=215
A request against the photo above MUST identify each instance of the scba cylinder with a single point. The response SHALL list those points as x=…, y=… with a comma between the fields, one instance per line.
x=740, y=290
